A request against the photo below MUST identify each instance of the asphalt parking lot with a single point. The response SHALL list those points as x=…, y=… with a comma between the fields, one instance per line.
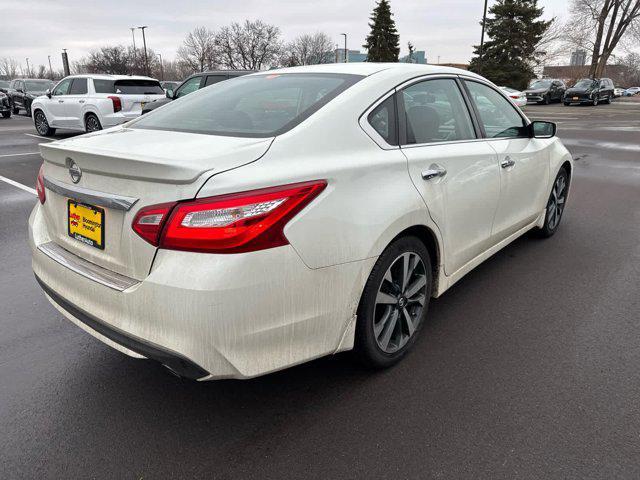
x=527, y=368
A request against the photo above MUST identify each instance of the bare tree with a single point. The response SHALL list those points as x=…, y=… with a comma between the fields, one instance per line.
x=198, y=52
x=308, y=49
x=551, y=46
x=599, y=26
x=8, y=67
x=252, y=45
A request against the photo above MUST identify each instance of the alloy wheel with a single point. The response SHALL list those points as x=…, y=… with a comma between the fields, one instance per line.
x=556, y=202
x=93, y=125
x=400, y=302
x=42, y=126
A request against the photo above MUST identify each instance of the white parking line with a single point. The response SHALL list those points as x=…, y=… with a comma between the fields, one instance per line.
x=39, y=136
x=18, y=154
x=19, y=185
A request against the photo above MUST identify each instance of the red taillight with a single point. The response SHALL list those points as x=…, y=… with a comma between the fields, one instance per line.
x=149, y=221
x=234, y=223
x=515, y=96
x=42, y=196
x=117, y=104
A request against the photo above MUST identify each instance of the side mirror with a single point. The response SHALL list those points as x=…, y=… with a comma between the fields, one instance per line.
x=541, y=129
x=48, y=92
x=169, y=93
x=19, y=90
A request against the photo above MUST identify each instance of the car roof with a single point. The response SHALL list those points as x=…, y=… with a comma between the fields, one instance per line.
x=369, y=68
x=104, y=76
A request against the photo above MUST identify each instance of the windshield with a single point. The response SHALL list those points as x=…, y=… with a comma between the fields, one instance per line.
x=128, y=87
x=37, y=85
x=251, y=106
x=541, y=84
x=585, y=83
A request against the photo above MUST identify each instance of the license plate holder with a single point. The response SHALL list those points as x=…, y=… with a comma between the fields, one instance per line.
x=576, y=98
x=85, y=223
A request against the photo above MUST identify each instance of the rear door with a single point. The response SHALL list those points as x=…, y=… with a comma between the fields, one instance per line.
x=455, y=170
x=523, y=161
x=75, y=102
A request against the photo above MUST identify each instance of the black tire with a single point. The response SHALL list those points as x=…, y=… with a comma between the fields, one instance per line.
x=566, y=104
x=595, y=100
x=545, y=100
x=553, y=214
x=91, y=123
x=409, y=312
x=15, y=110
x=608, y=100
x=7, y=114
x=42, y=125
x=27, y=107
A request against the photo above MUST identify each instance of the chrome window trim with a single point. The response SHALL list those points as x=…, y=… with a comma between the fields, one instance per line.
x=87, y=269
x=94, y=197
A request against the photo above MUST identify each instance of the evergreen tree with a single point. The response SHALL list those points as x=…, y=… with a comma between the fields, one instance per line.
x=383, y=43
x=513, y=32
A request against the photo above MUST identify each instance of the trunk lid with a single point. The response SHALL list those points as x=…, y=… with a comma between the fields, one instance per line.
x=143, y=166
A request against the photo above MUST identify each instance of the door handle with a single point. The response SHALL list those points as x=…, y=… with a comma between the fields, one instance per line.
x=435, y=171
x=507, y=162
x=80, y=101
x=60, y=101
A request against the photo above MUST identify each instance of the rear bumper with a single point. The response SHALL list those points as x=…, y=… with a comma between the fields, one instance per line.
x=119, y=118
x=210, y=316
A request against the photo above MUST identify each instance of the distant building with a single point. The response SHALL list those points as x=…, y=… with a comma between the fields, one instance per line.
x=578, y=58
x=355, y=56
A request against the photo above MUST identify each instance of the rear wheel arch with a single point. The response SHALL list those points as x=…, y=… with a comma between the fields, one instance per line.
x=428, y=237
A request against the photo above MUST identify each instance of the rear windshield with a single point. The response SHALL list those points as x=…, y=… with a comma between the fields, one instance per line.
x=250, y=106
x=128, y=87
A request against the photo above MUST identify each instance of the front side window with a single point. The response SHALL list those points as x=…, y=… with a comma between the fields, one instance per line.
x=78, y=87
x=434, y=111
x=63, y=87
x=188, y=87
x=383, y=120
x=498, y=116
x=252, y=106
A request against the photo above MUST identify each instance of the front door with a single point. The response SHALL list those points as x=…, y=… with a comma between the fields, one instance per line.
x=56, y=105
x=523, y=161
x=455, y=171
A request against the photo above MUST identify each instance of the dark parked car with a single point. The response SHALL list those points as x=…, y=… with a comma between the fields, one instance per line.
x=193, y=83
x=545, y=91
x=22, y=92
x=5, y=105
x=591, y=91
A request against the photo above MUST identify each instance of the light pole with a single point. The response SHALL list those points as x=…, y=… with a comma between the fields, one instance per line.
x=484, y=21
x=144, y=42
x=345, y=47
x=28, y=69
x=135, y=56
x=161, y=69
x=50, y=69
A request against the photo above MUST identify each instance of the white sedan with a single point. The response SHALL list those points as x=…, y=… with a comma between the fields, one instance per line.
x=516, y=96
x=86, y=103
x=290, y=214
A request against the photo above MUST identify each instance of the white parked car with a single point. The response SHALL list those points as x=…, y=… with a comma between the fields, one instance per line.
x=518, y=97
x=290, y=214
x=88, y=103
x=618, y=92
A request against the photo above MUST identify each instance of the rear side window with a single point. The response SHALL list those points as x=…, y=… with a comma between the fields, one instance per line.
x=78, y=86
x=434, y=111
x=498, y=115
x=128, y=87
x=211, y=79
x=252, y=106
x=383, y=120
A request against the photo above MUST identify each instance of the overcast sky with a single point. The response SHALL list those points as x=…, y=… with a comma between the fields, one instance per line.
x=37, y=28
